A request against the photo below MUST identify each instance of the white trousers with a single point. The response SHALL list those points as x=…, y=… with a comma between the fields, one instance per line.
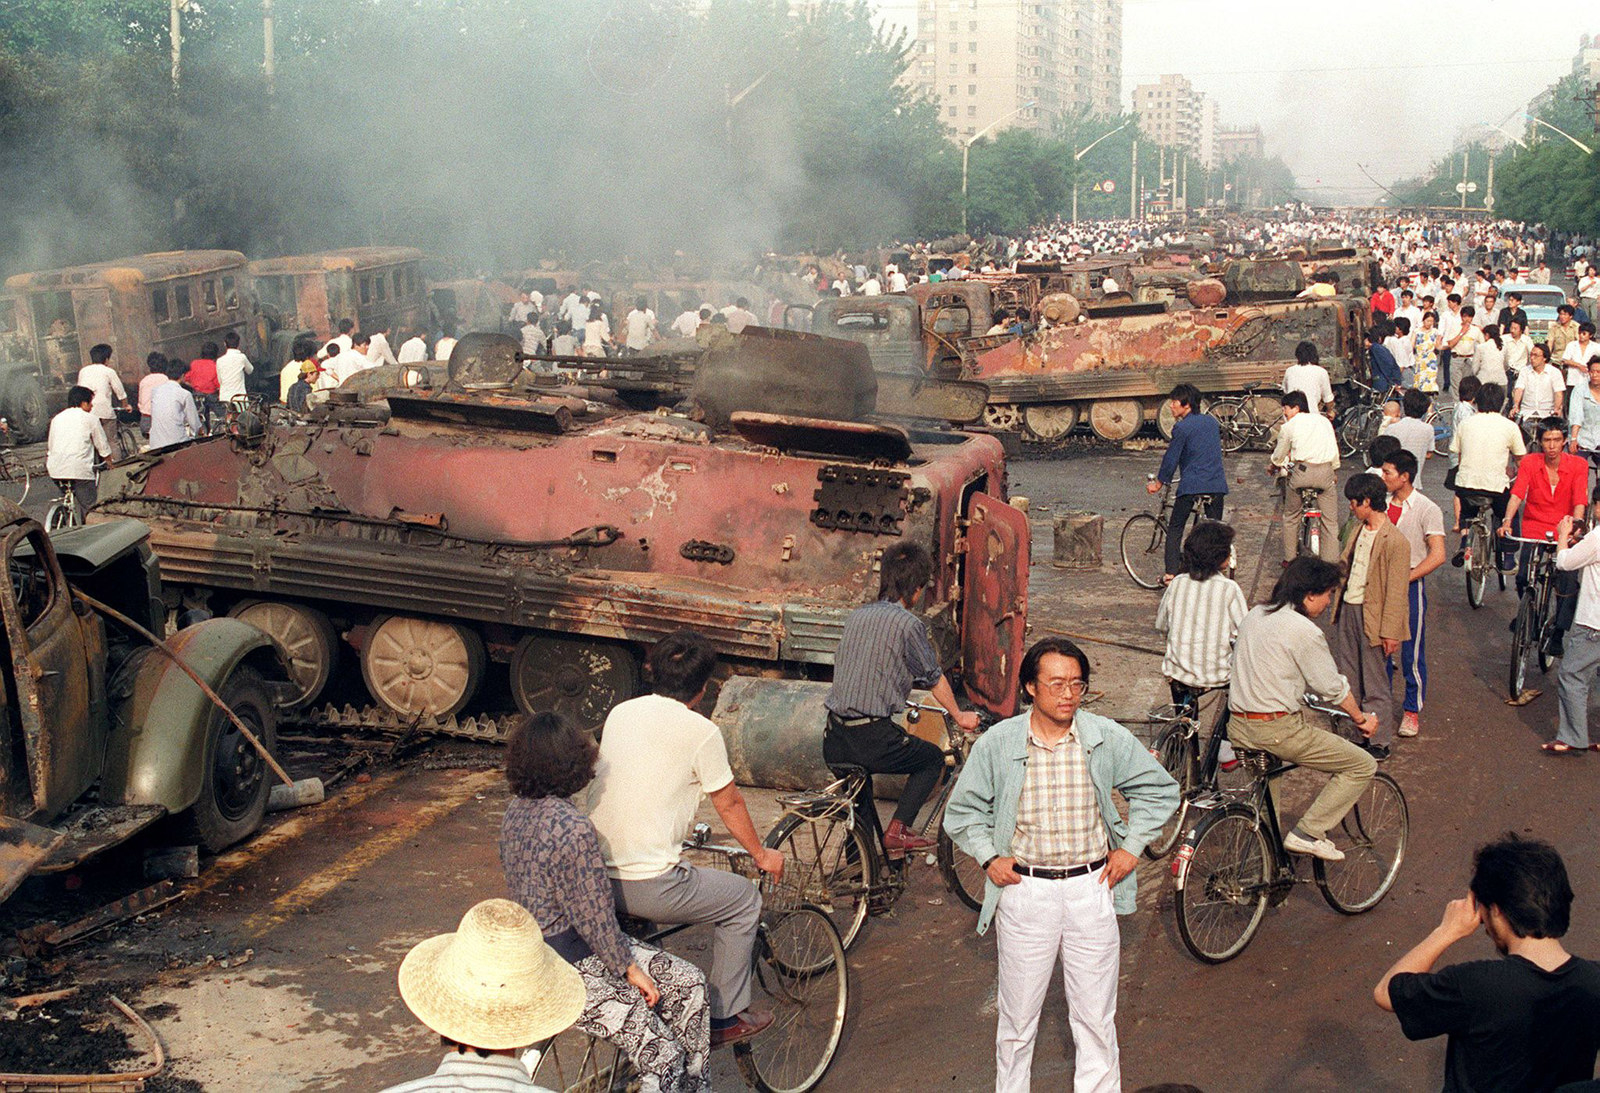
x=1039, y=921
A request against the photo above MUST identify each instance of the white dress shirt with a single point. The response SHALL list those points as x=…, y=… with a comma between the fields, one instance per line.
x=1584, y=555
x=1312, y=380
x=1542, y=391
x=686, y=324
x=103, y=380
x=1306, y=437
x=413, y=351
x=75, y=437
x=232, y=367
x=378, y=351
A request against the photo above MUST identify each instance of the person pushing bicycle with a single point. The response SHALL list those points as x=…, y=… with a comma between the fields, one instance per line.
x=1279, y=657
x=75, y=439
x=883, y=652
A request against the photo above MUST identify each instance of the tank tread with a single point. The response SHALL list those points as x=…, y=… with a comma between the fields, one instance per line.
x=487, y=728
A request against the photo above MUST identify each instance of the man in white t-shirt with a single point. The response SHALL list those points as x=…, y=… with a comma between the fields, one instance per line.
x=1575, y=357
x=897, y=281
x=638, y=327
x=1514, y=339
x=1309, y=377
x=232, y=367
x=740, y=316
x=414, y=350
x=657, y=757
x=109, y=393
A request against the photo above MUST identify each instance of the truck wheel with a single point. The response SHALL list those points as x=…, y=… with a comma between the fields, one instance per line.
x=303, y=635
x=422, y=666
x=235, y=779
x=26, y=411
x=579, y=679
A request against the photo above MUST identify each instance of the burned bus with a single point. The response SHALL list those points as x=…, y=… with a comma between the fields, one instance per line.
x=173, y=302
x=377, y=288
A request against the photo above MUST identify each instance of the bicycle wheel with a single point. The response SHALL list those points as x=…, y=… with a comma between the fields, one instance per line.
x=1222, y=890
x=1443, y=431
x=962, y=874
x=129, y=439
x=1175, y=750
x=576, y=1063
x=14, y=479
x=1235, y=424
x=61, y=516
x=808, y=1009
x=1521, y=638
x=827, y=863
x=1360, y=428
x=1480, y=556
x=1144, y=550
x=1373, y=837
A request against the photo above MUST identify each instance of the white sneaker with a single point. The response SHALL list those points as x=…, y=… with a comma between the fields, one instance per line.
x=1317, y=848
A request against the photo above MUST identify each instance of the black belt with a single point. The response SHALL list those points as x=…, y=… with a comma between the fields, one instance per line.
x=852, y=722
x=1057, y=872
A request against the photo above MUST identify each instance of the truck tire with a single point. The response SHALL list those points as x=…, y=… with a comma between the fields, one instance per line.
x=26, y=411
x=235, y=779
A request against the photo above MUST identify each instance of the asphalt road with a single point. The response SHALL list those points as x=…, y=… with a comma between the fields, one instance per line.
x=278, y=971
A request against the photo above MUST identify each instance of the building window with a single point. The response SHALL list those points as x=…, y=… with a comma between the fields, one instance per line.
x=954, y=47
x=972, y=89
x=973, y=26
x=953, y=66
x=972, y=47
x=972, y=69
x=952, y=91
x=953, y=111
x=972, y=111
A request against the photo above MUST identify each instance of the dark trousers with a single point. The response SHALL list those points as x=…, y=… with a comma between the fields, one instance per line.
x=882, y=747
x=1444, y=369
x=1182, y=506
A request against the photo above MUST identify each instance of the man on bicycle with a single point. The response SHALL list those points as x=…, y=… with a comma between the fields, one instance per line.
x=1485, y=443
x=1195, y=455
x=1308, y=451
x=883, y=652
x=1280, y=656
x=1551, y=483
x=75, y=439
x=657, y=757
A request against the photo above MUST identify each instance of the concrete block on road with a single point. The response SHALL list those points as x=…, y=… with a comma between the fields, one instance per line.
x=1079, y=540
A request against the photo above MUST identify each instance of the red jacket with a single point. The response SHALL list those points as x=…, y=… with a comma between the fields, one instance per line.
x=1542, y=507
x=1382, y=301
x=202, y=376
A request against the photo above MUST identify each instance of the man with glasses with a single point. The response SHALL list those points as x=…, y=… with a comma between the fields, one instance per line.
x=1034, y=805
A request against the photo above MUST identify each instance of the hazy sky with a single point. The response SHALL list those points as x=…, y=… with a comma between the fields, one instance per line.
x=1387, y=85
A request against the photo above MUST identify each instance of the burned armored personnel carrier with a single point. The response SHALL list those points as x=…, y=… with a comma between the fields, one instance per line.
x=487, y=523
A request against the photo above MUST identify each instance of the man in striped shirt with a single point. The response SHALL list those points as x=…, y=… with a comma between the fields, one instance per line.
x=883, y=652
x=1200, y=613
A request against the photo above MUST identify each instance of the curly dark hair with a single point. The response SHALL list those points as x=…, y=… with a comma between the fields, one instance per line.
x=547, y=757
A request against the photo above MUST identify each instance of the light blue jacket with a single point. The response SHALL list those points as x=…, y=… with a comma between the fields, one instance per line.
x=981, y=815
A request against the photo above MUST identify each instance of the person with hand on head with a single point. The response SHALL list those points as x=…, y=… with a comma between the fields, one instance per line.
x=1034, y=804
x=883, y=652
x=1530, y=1020
x=1280, y=656
x=657, y=758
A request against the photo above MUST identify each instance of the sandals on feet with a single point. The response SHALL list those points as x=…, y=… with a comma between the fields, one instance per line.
x=1556, y=747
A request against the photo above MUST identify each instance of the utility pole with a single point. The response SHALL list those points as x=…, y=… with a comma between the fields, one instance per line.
x=269, y=64
x=1133, y=185
x=1488, y=187
x=175, y=29
x=1464, y=155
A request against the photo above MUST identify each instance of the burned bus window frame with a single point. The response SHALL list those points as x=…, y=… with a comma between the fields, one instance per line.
x=399, y=290
x=208, y=293
x=411, y=282
x=159, y=305
x=183, y=305
x=380, y=288
x=230, y=293
x=365, y=283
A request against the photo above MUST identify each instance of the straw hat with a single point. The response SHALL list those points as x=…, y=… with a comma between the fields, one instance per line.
x=493, y=983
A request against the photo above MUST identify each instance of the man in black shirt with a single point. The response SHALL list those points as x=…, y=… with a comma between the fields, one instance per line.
x=1513, y=312
x=1530, y=1021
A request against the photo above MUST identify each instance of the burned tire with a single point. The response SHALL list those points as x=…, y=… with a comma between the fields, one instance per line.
x=235, y=779
x=26, y=411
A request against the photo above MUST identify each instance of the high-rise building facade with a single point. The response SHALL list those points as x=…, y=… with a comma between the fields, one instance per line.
x=1024, y=64
x=1173, y=114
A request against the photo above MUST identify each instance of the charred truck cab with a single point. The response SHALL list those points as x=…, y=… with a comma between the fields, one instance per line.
x=171, y=303
x=100, y=734
x=480, y=527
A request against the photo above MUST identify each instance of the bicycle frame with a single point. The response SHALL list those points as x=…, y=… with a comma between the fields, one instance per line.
x=1259, y=800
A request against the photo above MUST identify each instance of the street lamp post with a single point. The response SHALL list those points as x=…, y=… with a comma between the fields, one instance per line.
x=1077, y=155
x=966, y=147
x=1540, y=121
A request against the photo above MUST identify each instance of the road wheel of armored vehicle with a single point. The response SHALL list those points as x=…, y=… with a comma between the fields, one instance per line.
x=422, y=666
x=579, y=679
x=1050, y=421
x=304, y=636
x=1004, y=417
x=1116, y=418
x=235, y=779
x=26, y=411
x=1166, y=421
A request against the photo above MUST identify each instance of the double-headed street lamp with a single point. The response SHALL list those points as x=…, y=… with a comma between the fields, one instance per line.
x=1077, y=155
x=1540, y=121
x=966, y=147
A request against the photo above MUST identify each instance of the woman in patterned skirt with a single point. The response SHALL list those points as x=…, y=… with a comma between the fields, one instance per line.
x=651, y=1004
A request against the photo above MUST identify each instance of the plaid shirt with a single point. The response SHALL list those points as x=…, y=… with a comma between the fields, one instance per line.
x=1058, y=819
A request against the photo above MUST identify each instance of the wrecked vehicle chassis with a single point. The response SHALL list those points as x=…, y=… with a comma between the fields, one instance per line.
x=435, y=544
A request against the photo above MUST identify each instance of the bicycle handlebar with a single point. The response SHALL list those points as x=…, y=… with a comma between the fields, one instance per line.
x=1530, y=542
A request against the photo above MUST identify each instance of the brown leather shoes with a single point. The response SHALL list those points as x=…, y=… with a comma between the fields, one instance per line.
x=899, y=840
x=748, y=1024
